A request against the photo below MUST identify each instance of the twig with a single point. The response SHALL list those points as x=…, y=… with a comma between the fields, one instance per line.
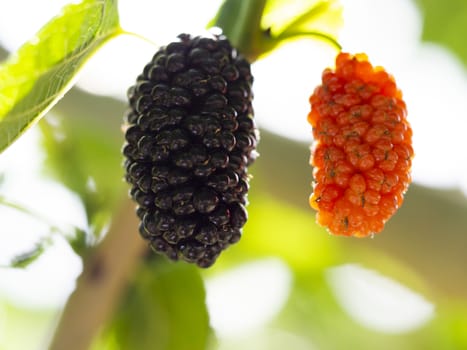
x=107, y=270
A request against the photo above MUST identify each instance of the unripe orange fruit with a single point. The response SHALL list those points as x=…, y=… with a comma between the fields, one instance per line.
x=362, y=151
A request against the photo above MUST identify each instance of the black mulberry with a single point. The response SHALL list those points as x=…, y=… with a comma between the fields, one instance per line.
x=190, y=136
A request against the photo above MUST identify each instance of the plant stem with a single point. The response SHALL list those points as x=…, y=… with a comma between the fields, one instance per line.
x=241, y=23
x=106, y=272
x=314, y=34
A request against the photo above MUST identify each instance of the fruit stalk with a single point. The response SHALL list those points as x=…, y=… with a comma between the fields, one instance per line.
x=241, y=23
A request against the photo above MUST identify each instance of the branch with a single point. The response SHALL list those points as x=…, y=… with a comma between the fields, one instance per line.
x=107, y=271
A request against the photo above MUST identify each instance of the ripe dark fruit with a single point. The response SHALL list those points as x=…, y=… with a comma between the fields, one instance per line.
x=362, y=152
x=190, y=135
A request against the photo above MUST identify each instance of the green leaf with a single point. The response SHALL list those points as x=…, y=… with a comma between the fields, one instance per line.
x=298, y=18
x=79, y=242
x=280, y=14
x=445, y=22
x=25, y=259
x=75, y=236
x=163, y=310
x=43, y=69
x=256, y=27
x=82, y=147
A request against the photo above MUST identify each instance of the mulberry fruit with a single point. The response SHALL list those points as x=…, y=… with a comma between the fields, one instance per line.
x=362, y=149
x=190, y=136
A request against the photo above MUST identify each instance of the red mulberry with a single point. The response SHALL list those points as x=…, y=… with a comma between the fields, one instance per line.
x=190, y=137
x=362, y=149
